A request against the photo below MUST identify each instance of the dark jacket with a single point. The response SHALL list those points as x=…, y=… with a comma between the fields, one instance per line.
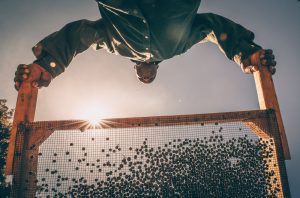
x=144, y=30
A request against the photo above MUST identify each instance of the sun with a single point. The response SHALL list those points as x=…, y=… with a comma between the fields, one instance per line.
x=92, y=116
x=93, y=112
x=93, y=120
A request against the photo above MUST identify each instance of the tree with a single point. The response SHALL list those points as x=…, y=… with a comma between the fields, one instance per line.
x=5, y=126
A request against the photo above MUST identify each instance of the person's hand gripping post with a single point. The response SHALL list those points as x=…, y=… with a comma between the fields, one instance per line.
x=261, y=58
x=32, y=73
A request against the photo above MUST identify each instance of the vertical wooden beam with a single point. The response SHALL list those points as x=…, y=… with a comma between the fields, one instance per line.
x=29, y=183
x=268, y=100
x=24, y=112
x=279, y=158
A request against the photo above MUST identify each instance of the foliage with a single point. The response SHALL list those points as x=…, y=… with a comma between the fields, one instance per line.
x=5, y=126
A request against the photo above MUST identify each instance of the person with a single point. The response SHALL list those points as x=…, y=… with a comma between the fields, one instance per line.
x=147, y=32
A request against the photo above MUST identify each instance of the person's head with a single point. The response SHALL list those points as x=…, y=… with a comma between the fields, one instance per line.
x=146, y=72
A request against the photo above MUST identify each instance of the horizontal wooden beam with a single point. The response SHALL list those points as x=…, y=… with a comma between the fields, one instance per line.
x=215, y=118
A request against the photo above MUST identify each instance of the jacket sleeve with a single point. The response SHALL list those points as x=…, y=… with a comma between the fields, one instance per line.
x=55, y=52
x=235, y=41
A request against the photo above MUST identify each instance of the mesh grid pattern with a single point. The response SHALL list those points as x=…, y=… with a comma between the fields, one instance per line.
x=200, y=160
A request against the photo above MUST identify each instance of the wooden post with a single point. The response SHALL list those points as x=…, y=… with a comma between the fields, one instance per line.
x=268, y=100
x=24, y=112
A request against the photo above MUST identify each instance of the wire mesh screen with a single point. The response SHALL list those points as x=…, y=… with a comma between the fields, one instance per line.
x=198, y=159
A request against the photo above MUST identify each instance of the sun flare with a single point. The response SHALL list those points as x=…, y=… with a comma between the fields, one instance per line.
x=93, y=120
x=93, y=114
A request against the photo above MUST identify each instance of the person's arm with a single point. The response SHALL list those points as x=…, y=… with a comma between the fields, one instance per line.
x=233, y=39
x=55, y=52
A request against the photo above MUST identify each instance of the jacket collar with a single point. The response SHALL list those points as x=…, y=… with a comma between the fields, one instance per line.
x=125, y=6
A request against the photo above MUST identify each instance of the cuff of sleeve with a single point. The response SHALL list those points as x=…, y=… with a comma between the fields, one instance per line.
x=244, y=50
x=50, y=65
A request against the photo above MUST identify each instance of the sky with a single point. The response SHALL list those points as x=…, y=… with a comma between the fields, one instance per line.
x=200, y=81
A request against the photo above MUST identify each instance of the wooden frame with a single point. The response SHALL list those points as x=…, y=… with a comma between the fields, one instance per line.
x=23, y=148
x=31, y=136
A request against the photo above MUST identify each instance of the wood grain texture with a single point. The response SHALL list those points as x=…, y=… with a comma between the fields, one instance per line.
x=24, y=112
x=268, y=100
